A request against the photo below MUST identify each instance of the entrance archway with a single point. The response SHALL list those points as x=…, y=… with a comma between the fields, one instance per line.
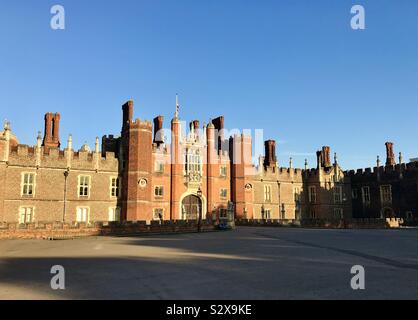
x=191, y=206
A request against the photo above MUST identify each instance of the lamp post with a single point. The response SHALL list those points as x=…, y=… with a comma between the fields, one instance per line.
x=66, y=173
x=344, y=204
x=200, y=208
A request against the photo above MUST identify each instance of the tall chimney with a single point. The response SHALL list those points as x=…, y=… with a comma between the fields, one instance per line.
x=270, y=153
x=219, y=131
x=390, y=155
x=326, y=160
x=51, y=134
x=56, y=129
x=48, y=128
x=319, y=157
x=128, y=113
x=158, y=130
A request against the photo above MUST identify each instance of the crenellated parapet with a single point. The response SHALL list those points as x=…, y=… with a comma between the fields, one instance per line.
x=294, y=171
x=33, y=156
x=110, y=143
x=383, y=172
x=385, y=191
x=412, y=166
x=312, y=172
x=139, y=124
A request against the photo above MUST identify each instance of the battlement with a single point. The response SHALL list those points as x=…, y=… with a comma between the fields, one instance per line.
x=296, y=171
x=111, y=137
x=23, y=151
x=110, y=143
x=383, y=170
x=83, y=155
x=282, y=171
x=140, y=124
x=311, y=172
x=412, y=166
x=289, y=171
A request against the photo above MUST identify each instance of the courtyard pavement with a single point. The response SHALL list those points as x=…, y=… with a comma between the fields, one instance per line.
x=248, y=263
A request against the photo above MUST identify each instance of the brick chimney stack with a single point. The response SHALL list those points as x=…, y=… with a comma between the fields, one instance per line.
x=158, y=130
x=270, y=153
x=51, y=133
x=128, y=114
x=325, y=157
x=319, y=157
x=177, y=165
x=390, y=155
x=219, y=131
x=211, y=165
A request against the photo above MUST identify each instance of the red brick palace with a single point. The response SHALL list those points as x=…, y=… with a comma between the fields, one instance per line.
x=148, y=173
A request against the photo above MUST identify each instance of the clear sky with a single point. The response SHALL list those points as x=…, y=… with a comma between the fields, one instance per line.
x=294, y=68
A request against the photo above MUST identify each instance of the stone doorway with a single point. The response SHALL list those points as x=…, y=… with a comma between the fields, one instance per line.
x=191, y=206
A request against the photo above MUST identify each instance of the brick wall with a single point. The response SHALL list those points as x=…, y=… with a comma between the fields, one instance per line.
x=403, y=183
x=50, y=230
x=47, y=200
x=325, y=223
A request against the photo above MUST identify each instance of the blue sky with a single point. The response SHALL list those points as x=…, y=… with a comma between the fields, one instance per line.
x=293, y=68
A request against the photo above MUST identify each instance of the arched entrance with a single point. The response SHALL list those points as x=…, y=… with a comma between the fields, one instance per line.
x=191, y=206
